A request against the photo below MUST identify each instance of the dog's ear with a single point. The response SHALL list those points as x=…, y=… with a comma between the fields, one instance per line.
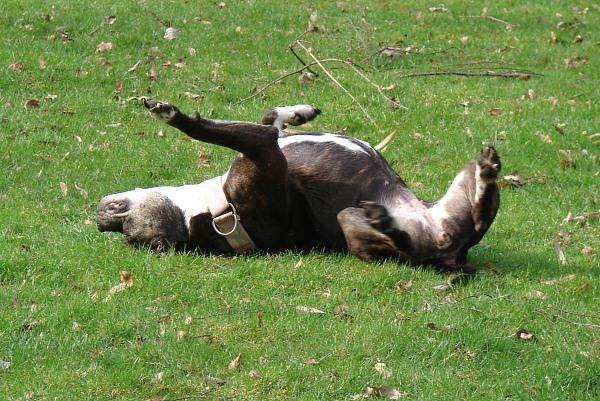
x=363, y=240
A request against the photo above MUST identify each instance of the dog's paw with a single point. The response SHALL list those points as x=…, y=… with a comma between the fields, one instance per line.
x=489, y=164
x=162, y=111
x=378, y=217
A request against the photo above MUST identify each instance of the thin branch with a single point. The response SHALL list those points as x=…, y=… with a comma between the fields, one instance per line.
x=560, y=317
x=596, y=316
x=307, y=67
x=508, y=24
x=470, y=74
x=299, y=43
x=204, y=394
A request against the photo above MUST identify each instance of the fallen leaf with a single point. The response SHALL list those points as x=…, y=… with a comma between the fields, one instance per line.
x=235, y=363
x=135, y=66
x=111, y=19
x=82, y=191
x=171, y=33
x=566, y=163
x=191, y=95
x=308, y=309
x=495, y=111
x=179, y=334
x=588, y=251
x=126, y=282
x=255, y=374
x=104, y=46
x=403, y=286
x=215, y=380
x=441, y=8
x=203, y=159
x=514, y=178
x=41, y=63
x=31, y=324
x=158, y=377
x=4, y=364
x=543, y=137
x=583, y=219
x=342, y=309
x=32, y=104
x=383, y=391
x=382, y=370
x=63, y=188
x=18, y=66
x=523, y=334
x=152, y=74
x=536, y=294
x=126, y=278
x=562, y=233
x=187, y=321
x=306, y=77
x=561, y=256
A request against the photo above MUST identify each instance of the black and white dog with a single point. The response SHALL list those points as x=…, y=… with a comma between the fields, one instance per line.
x=302, y=191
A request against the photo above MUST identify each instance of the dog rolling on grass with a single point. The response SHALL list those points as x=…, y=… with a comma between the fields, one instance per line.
x=303, y=191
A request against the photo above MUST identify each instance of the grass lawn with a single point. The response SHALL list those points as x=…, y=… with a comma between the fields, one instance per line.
x=293, y=326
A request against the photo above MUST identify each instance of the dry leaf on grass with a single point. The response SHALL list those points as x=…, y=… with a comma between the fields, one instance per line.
x=588, y=251
x=523, y=334
x=235, y=363
x=403, y=286
x=32, y=104
x=383, y=370
x=63, y=188
x=171, y=33
x=81, y=191
x=104, y=46
x=308, y=309
x=126, y=282
x=384, y=391
x=4, y=364
x=559, y=253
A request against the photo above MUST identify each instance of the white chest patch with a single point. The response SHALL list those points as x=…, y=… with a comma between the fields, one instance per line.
x=190, y=199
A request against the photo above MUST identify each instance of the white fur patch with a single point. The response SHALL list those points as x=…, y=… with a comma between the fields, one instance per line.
x=188, y=198
x=163, y=116
x=439, y=211
x=326, y=138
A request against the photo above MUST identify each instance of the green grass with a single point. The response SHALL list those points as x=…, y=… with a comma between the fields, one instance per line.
x=64, y=341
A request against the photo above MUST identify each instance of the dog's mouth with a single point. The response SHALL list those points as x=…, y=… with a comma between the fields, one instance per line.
x=110, y=213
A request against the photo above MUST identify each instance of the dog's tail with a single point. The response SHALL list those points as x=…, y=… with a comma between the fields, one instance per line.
x=290, y=115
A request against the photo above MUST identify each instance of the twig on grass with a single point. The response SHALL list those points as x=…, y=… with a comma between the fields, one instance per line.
x=507, y=24
x=514, y=74
x=554, y=316
x=205, y=394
